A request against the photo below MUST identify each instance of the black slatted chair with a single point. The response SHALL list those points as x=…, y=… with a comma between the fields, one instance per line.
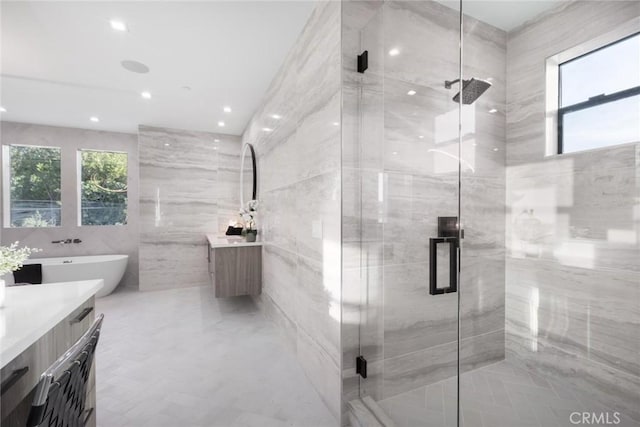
x=60, y=395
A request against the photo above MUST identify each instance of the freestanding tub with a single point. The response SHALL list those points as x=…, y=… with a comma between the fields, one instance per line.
x=110, y=268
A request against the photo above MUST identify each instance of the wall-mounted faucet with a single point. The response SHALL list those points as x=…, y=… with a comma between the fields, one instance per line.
x=66, y=241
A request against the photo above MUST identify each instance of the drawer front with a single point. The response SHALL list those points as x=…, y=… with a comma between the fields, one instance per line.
x=81, y=320
x=18, y=379
x=21, y=375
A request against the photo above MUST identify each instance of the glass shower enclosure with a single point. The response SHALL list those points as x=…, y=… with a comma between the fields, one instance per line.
x=489, y=277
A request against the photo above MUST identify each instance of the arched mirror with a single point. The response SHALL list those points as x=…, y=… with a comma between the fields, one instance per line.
x=248, y=176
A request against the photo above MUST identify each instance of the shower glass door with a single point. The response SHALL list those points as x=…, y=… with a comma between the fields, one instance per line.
x=401, y=193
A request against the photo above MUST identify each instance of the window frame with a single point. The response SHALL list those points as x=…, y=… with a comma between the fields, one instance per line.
x=552, y=72
x=593, y=101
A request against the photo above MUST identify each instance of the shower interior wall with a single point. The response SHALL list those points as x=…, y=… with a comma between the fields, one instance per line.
x=400, y=172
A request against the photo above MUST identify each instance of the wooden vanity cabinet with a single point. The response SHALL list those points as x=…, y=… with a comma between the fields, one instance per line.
x=236, y=271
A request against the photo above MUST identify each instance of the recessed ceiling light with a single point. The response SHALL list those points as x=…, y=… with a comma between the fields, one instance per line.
x=493, y=110
x=394, y=153
x=134, y=66
x=221, y=124
x=411, y=92
x=166, y=144
x=394, y=52
x=146, y=95
x=227, y=109
x=3, y=110
x=215, y=148
x=267, y=129
x=421, y=136
x=495, y=149
x=118, y=25
x=94, y=119
x=216, y=140
x=336, y=123
x=276, y=116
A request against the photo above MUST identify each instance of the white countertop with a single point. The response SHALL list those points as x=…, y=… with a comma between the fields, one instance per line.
x=31, y=311
x=216, y=241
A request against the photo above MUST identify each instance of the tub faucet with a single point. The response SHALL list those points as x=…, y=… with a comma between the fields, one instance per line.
x=65, y=241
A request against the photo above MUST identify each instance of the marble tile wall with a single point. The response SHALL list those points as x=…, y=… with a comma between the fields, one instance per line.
x=299, y=182
x=96, y=240
x=189, y=186
x=572, y=227
x=400, y=172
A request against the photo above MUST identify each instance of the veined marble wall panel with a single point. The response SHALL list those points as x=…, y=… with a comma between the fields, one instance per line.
x=189, y=186
x=96, y=240
x=572, y=226
x=300, y=194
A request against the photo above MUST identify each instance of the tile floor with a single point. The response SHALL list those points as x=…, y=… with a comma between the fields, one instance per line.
x=498, y=395
x=181, y=358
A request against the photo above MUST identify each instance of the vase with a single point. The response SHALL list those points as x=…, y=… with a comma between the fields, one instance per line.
x=2, y=292
x=251, y=235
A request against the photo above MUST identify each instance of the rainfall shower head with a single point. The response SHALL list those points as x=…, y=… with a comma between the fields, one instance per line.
x=471, y=89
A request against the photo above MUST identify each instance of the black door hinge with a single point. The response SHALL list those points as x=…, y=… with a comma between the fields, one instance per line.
x=361, y=366
x=363, y=61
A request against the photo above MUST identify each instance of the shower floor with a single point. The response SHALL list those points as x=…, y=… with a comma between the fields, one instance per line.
x=498, y=395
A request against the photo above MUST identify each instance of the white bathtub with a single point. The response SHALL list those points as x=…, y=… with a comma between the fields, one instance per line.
x=110, y=268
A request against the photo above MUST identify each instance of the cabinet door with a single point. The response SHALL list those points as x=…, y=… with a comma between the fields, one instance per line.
x=238, y=271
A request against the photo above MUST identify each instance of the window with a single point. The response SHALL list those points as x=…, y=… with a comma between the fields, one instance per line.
x=599, y=97
x=34, y=186
x=103, y=188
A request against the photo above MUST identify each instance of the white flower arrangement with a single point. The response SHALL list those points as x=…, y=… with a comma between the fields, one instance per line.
x=12, y=257
x=248, y=214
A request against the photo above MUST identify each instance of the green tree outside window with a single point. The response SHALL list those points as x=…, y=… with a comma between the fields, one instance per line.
x=34, y=186
x=103, y=188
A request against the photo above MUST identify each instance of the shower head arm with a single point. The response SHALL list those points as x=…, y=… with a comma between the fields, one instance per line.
x=448, y=83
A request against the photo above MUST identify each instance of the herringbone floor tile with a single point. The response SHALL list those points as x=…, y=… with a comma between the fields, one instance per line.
x=499, y=395
x=181, y=358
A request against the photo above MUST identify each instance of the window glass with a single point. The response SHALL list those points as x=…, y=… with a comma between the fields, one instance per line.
x=103, y=188
x=608, y=70
x=604, y=125
x=34, y=186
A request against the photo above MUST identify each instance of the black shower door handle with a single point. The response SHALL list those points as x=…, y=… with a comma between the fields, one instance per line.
x=433, y=265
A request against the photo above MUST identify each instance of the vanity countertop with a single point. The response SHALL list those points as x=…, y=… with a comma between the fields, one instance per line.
x=31, y=311
x=216, y=241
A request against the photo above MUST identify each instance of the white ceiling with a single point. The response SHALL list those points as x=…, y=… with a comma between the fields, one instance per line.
x=503, y=14
x=61, y=61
